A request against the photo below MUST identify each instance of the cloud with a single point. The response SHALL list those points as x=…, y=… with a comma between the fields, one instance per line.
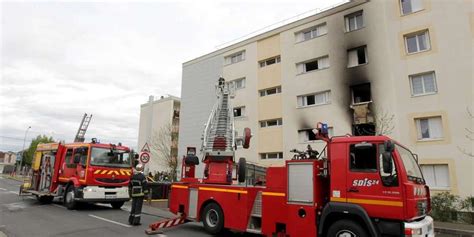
x=62, y=59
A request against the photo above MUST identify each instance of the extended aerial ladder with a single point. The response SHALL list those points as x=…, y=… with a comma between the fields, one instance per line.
x=83, y=128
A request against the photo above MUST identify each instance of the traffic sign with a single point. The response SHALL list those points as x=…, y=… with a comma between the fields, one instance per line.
x=146, y=148
x=144, y=157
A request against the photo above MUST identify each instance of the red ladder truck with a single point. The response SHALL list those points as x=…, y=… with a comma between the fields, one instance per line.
x=357, y=186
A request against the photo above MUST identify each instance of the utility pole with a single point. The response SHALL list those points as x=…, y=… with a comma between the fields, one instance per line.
x=23, y=150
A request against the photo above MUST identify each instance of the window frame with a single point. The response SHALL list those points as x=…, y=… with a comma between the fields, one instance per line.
x=303, y=64
x=264, y=123
x=406, y=14
x=242, y=111
x=304, y=97
x=416, y=34
x=242, y=79
x=410, y=77
x=449, y=187
x=265, y=61
x=265, y=91
x=279, y=155
x=299, y=39
x=228, y=58
x=376, y=157
x=356, y=51
x=354, y=15
x=418, y=129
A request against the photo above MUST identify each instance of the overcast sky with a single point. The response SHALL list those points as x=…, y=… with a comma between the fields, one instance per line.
x=60, y=60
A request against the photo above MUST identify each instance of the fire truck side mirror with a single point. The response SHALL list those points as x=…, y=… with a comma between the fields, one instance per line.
x=387, y=162
x=389, y=146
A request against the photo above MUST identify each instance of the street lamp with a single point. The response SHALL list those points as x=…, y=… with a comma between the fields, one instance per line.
x=23, y=150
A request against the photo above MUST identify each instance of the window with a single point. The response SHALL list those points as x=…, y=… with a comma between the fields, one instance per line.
x=436, y=176
x=68, y=158
x=417, y=42
x=410, y=6
x=314, y=99
x=429, y=128
x=270, y=91
x=274, y=155
x=239, y=112
x=311, y=33
x=423, y=84
x=306, y=135
x=315, y=64
x=271, y=123
x=354, y=21
x=388, y=179
x=235, y=58
x=239, y=83
x=363, y=157
x=357, y=56
x=270, y=61
x=361, y=93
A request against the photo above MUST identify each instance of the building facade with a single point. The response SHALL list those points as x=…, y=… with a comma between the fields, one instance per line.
x=158, y=128
x=400, y=67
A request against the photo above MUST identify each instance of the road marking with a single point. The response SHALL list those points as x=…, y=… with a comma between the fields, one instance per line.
x=111, y=221
x=3, y=189
x=13, y=192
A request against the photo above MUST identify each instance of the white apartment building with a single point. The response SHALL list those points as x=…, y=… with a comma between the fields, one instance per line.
x=405, y=64
x=158, y=127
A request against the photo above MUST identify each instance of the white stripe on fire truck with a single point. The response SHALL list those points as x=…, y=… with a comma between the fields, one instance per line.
x=223, y=190
x=169, y=224
x=176, y=221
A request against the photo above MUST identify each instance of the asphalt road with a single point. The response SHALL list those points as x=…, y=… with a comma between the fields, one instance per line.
x=25, y=216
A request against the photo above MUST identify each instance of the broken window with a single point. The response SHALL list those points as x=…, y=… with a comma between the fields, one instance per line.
x=361, y=93
x=357, y=56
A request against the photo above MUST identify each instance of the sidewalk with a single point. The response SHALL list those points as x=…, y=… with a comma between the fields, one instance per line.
x=454, y=228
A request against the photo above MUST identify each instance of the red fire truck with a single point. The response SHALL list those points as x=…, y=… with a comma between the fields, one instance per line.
x=356, y=186
x=80, y=172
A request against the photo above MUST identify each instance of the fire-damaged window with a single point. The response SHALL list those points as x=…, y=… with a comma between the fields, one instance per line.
x=363, y=157
x=308, y=135
x=357, y=56
x=361, y=93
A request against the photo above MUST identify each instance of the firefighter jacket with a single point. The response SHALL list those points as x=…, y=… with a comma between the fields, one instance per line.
x=138, y=185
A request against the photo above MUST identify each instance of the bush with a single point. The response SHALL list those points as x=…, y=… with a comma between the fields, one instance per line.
x=451, y=208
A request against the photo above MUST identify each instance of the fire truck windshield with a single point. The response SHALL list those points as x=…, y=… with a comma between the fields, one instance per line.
x=411, y=166
x=110, y=158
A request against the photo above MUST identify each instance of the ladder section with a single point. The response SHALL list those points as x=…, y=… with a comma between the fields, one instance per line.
x=255, y=220
x=219, y=133
x=81, y=132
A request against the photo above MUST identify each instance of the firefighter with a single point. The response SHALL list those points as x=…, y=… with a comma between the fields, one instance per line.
x=137, y=187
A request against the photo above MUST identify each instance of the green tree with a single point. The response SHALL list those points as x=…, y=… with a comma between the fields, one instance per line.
x=28, y=156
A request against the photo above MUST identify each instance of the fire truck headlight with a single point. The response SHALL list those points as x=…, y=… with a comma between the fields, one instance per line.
x=89, y=190
x=413, y=231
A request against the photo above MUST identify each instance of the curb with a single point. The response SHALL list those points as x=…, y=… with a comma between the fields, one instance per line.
x=13, y=178
x=463, y=233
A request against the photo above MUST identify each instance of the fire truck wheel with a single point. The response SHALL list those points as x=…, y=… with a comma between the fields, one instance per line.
x=213, y=218
x=242, y=172
x=69, y=201
x=116, y=205
x=346, y=228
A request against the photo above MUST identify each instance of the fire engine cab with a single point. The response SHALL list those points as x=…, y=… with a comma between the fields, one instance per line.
x=356, y=186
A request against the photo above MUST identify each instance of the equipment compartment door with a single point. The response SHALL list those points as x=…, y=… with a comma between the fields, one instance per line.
x=193, y=200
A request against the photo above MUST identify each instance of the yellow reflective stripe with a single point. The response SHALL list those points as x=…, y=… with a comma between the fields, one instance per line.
x=128, y=172
x=116, y=172
x=122, y=172
x=104, y=171
x=369, y=201
x=273, y=194
x=223, y=190
x=179, y=186
x=97, y=171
